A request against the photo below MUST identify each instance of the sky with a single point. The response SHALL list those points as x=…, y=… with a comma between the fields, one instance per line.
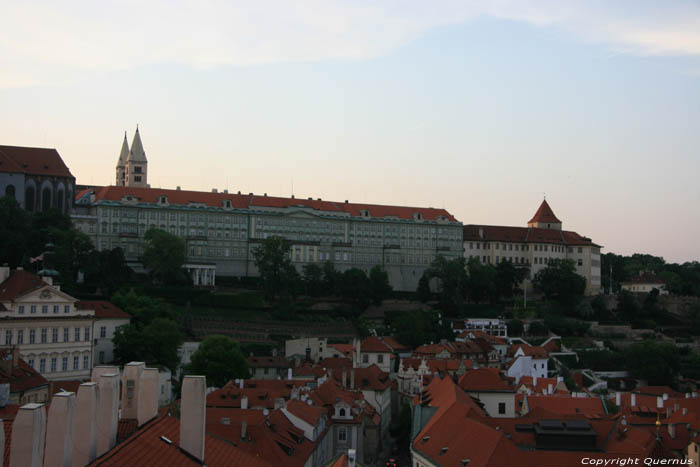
x=482, y=108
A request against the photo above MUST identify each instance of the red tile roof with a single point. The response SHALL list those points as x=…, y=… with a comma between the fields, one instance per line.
x=260, y=393
x=103, y=309
x=534, y=351
x=182, y=197
x=645, y=278
x=147, y=447
x=395, y=345
x=344, y=349
x=485, y=380
x=544, y=214
x=19, y=283
x=374, y=344
x=567, y=405
x=370, y=378
x=311, y=414
x=498, y=233
x=33, y=161
x=21, y=376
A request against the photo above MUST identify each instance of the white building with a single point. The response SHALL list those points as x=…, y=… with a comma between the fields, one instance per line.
x=534, y=246
x=108, y=318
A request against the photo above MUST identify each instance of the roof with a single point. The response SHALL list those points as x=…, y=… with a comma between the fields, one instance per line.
x=544, y=214
x=19, y=283
x=534, y=351
x=645, y=277
x=245, y=201
x=137, y=154
x=33, y=161
x=374, y=344
x=146, y=447
x=311, y=414
x=268, y=362
x=345, y=349
x=486, y=380
x=103, y=309
x=21, y=376
x=260, y=393
x=123, y=154
x=370, y=378
x=567, y=405
x=498, y=233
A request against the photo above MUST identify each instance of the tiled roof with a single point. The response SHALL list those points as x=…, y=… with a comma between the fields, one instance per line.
x=182, y=197
x=268, y=362
x=433, y=349
x=21, y=377
x=345, y=349
x=485, y=379
x=147, y=447
x=374, y=344
x=33, y=161
x=645, y=278
x=567, y=405
x=260, y=393
x=311, y=414
x=544, y=214
x=370, y=378
x=534, y=351
x=103, y=309
x=498, y=233
x=395, y=345
x=19, y=283
x=541, y=385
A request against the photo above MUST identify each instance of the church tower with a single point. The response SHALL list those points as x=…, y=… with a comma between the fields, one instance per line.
x=136, y=163
x=121, y=163
x=544, y=218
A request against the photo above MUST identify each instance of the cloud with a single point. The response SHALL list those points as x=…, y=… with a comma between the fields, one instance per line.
x=47, y=41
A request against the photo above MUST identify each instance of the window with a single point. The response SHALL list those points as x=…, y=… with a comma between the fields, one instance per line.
x=66, y=309
x=31, y=362
x=102, y=356
x=21, y=309
x=20, y=336
x=365, y=358
x=44, y=309
x=380, y=358
x=54, y=335
x=501, y=408
x=76, y=363
x=77, y=334
x=32, y=336
x=342, y=434
x=44, y=333
x=580, y=262
x=65, y=335
x=580, y=249
x=33, y=309
x=103, y=331
x=8, y=337
x=42, y=365
x=86, y=362
x=87, y=334
x=64, y=364
x=53, y=365
x=55, y=308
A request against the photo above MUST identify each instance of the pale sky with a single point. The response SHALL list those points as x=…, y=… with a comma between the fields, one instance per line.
x=478, y=107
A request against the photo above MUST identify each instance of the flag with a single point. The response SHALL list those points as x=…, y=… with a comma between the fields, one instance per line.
x=38, y=258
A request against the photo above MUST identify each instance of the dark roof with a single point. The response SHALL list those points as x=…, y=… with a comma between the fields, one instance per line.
x=501, y=233
x=103, y=309
x=19, y=283
x=33, y=161
x=21, y=377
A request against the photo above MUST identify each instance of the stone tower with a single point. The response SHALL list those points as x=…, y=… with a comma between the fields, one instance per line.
x=121, y=164
x=136, y=163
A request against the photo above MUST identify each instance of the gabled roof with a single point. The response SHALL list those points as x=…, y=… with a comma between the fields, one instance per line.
x=485, y=380
x=544, y=214
x=21, y=377
x=20, y=283
x=177, y=197
x=260, y=393
x=534, y=351
x=33, y=161
x=103, y=309
x=374, y=344
x=567, y=405
x=147, y=447
x=500, y=233
x=311, y=414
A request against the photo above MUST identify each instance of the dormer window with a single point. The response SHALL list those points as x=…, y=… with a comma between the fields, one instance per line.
x=341, y=412
x=418, y=216
x=364, y=213
x=163, y=199
x=227, y=204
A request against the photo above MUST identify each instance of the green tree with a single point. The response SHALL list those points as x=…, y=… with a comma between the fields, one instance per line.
x=163, y=256
x=482, y=280
x=313, y=279
x=379, y=287
x=156, y=342
x=559, y=282
x=14, y=229
x=515, y=328
x=220, y=359
x=657, y=363
x=627, y=306
x=107, y=270
x=331, y=278
x=423, y=292
x=143, y=309
x=355, y=287
x=508, y=277
x=275, y=267
x=452, y=281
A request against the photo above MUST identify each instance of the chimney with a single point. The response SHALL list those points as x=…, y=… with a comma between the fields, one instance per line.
x=226, y=191
x=352, y=458
x=108, y=412
x=352, y=378
x=4, y=272
x=665, y=396
x=633, y=399
x=685, y=411
x=244, y=402
x=289, y=374
x=193, y=415
x=694, y=395
x=659, y=402
x=85, y=431
x=550, y=389
x=618, y=399
x=672, y=430
x=59, y=432
x=356, y=360
x=279, y=403
x=344, y=380
x=240, y=383
x=148, y=395
x=534, y=382
x=28, y=432
x=214, y=190
x=130, y=389
x=244, y=430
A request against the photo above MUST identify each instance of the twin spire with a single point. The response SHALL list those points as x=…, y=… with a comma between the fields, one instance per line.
x=132, y=166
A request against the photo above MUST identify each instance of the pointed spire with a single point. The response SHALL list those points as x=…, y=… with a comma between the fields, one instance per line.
x=544, y=215
x=137, y=154
x=124, y=153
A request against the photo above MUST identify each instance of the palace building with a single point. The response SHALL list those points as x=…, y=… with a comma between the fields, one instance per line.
x=535, y=245
x=223, y=229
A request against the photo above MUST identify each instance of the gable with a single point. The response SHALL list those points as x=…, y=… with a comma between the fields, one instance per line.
x=46, y=294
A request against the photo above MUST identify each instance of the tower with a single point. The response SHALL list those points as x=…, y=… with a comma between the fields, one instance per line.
x=136, y=163
x=544, y=218
x=121, y=163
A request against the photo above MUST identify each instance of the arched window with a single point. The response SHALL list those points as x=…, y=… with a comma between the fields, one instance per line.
x=59, y=200
x=29, y=198
x=10, y=191
x=46, y=199
x=342, y=412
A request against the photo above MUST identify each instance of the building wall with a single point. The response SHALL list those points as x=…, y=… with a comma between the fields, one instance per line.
x=693, y=453
x=491, y=401
x=103, y=346
x=59, y=188
x=228, y=237
x=381, y=359
x=17, y=181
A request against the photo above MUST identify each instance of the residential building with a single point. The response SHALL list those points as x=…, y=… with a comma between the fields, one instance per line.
x=494, y=390
x=53, y=335
x=373, y=351
x=534, y=246
x=37, y=178
x=108, y=318
x=266, y=367
x=645, y=282
x=527, y=360
x=23, y=383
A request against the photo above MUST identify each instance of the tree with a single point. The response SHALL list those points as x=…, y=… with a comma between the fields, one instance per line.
x=508, y=277
x=379, y=287
x=313, y=279
x=163, y=256
x=331, y=278
x=107, y=270
x=423, y=292
x=515, y=328
x=14, y=229
x=275, y=267
x=157, y=342
x=220, y=359
x=657, y=363
x=355, y=287
x=482, y=280
x=143, y=309
x=559, y=282
x=452, y=281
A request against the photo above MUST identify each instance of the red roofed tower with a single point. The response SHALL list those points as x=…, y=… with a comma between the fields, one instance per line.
x=544, y=218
